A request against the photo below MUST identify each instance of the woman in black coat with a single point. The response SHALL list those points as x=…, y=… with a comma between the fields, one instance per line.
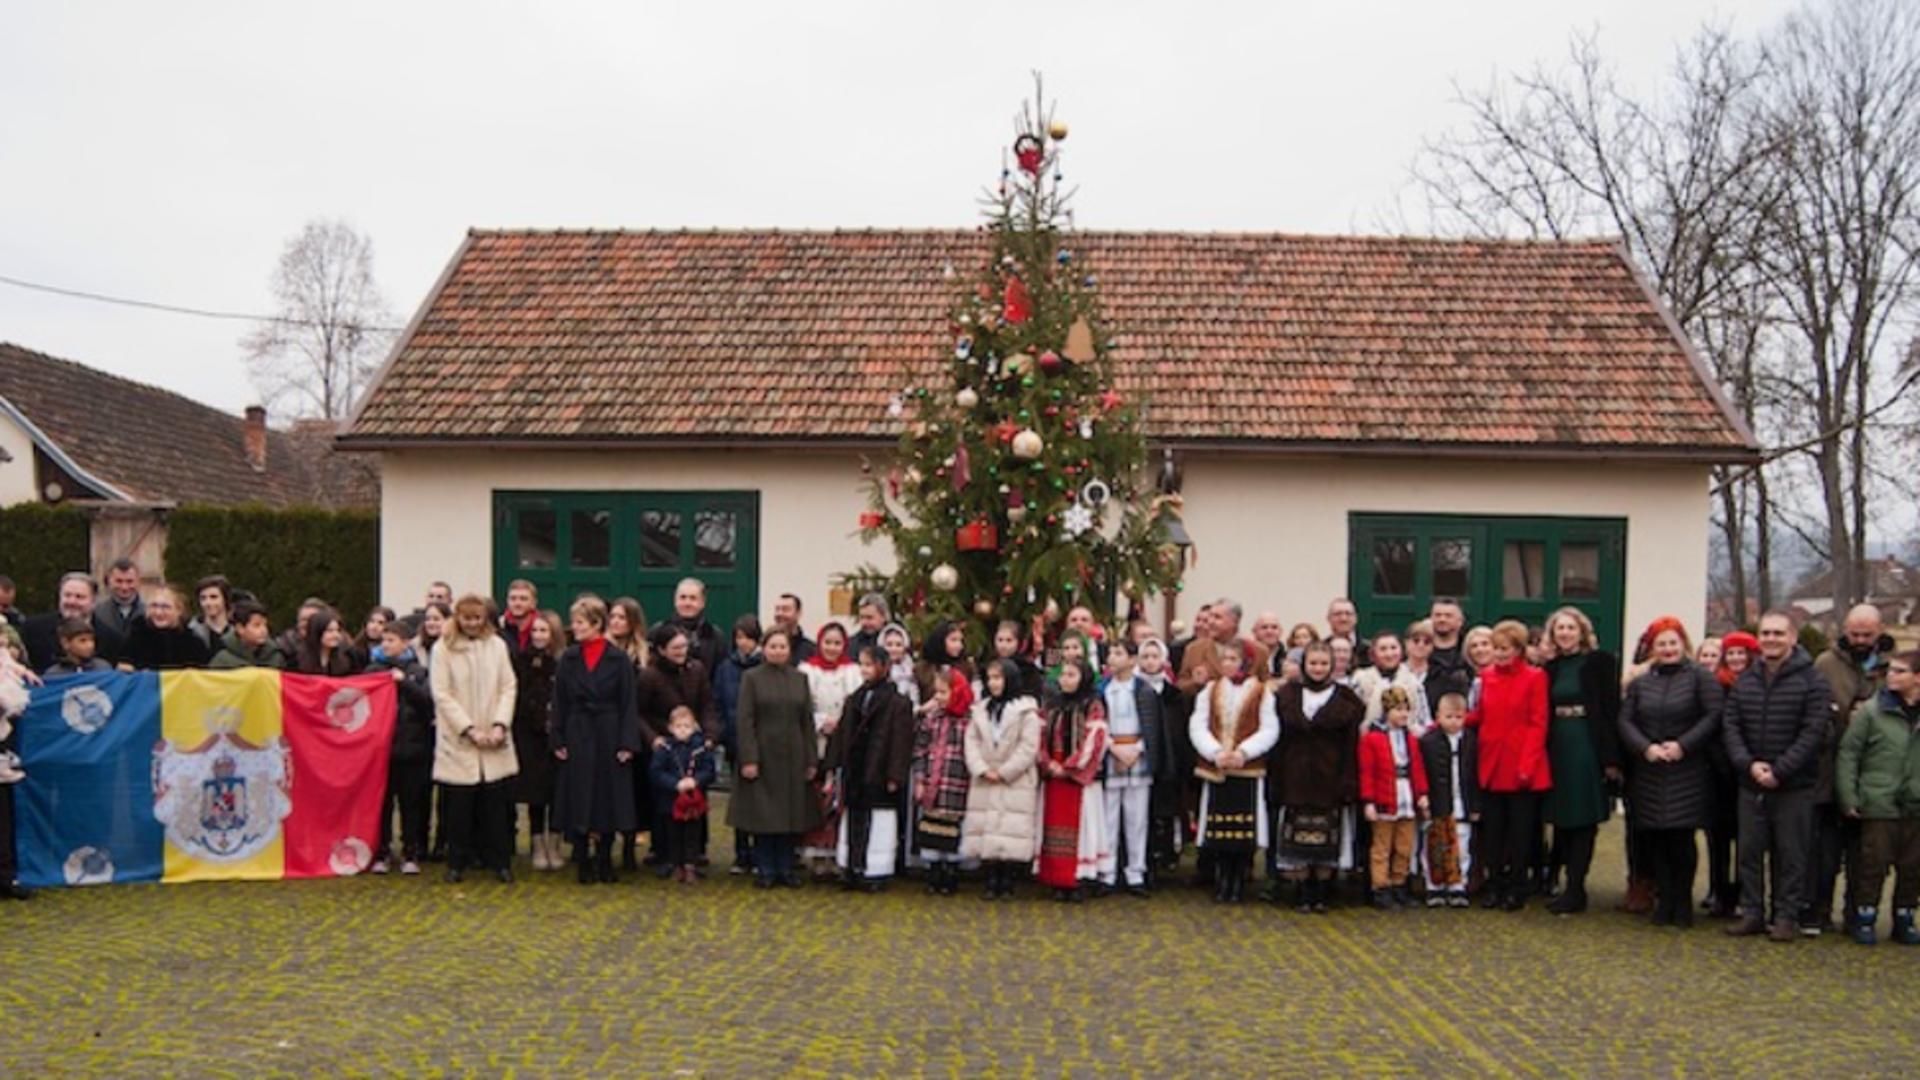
x=1669, y=718
x=159, y=640
x=595, y=735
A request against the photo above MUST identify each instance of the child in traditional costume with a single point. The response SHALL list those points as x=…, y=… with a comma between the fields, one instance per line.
x=832, y=677
x=1393, y=794
x=1169, y=805
x=1451, y=751
x=1315, y=778
x=1073, y=842
x=869, y=756
x=1232, y=728
x=941, y=780
x=1134, y=723
x=1003, y=746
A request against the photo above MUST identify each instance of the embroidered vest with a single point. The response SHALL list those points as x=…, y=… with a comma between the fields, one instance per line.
x=1244, y=724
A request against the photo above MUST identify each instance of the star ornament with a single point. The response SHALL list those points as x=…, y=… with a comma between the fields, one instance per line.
x=1005, y=430
x=1076, y=520
x=1110, y=399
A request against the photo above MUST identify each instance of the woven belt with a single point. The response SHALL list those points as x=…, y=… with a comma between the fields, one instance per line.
x=1570, y=712
x=1125, y=740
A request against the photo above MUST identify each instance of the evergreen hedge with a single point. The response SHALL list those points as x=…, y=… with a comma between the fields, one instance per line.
x=281, y=556
x=38, y=543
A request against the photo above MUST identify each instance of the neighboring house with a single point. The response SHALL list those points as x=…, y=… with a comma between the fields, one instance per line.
x=1517, y=424
x=1892, y=586
x=127, y=453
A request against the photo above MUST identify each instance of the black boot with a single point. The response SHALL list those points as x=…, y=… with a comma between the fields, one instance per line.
x=603, y=862
x=583, y=861
x=627, y=846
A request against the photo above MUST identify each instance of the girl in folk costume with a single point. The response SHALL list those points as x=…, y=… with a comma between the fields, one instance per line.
x=946, y=650
x=1008, y=644
x=941, y=780
x=1168, y=806
x=1075, y=647
x=1232, y=728
x=868, y=759
x=1003, y=747
x=832, y=677
x=1073, y=841
x=900, y=666
x=1316, y=778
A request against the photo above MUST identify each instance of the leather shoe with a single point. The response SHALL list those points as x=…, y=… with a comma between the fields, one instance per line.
x=1783, y=931
x=1748, y=926
x=13, y=890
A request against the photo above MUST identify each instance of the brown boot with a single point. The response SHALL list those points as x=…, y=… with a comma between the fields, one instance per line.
x=1639, y=898
x=1784, y=931
x=1748, y=926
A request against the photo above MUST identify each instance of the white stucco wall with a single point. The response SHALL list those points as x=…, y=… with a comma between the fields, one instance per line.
x=1270, y=532
x=436, y=510
x=16, y=476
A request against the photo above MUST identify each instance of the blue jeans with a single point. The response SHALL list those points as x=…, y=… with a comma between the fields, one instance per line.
x=773, y=855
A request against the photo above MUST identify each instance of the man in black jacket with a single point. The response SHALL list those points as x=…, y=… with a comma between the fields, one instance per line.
x=76, y=601
x=1775, y=720
x=704, y=640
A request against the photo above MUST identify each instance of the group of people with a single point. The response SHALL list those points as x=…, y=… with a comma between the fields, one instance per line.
x=1423, y=765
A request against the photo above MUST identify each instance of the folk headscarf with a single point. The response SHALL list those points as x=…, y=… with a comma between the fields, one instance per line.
x=942, y=743
x=1067, y=714
x=819, y=660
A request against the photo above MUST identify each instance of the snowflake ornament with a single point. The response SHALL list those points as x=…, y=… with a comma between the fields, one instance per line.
x=1076, y=520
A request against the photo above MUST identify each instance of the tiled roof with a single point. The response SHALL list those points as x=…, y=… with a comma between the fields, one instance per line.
x=156, y=446
x=1236, y=339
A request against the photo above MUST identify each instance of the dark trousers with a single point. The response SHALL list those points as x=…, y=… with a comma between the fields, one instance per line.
x=1885, y=844
x=1834, y=838
x=479, y=824
x=1775, y=832
x=410, y=793
x=1574, y=849
x=1671, y=860
x=773, y=854
x=1722, y=884
x=1509, y=820
x=685, y=842
x=9, y=859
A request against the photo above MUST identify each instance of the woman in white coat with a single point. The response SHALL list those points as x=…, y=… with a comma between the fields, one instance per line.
x=473, y=697
x=1003, y=745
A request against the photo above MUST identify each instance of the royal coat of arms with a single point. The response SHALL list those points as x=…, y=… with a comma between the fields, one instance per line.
x=222, y=800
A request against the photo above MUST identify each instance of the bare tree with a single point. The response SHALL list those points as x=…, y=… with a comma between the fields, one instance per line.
x=1843, y=242
x=332, y=323
x=1681, y=177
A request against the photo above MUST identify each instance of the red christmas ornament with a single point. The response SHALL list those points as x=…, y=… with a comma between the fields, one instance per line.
x=872, y=519
x=1005, y=430
x=1016, y=305
x=980, y=535
x=1110, y=399
x=1050, y=362
x=1051, y=410
x=1029, y=154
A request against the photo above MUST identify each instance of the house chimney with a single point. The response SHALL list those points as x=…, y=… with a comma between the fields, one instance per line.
x=256, y=437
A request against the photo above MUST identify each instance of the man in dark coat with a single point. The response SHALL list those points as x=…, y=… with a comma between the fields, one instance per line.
x=1855, y=666
x=786, y=616
x=869, y=756
x=1775, y=720
x=1449, y=671
x=708, y=644
x=76, y=601
x=870, y=617
x=122, y=606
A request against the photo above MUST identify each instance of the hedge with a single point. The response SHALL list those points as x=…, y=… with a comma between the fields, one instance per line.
x=281, y=556
x=38, y=543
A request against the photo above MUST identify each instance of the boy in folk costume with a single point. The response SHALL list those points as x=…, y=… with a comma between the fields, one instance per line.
x=1073, y=841
x=1451, y=752
x=1233, y=727
x=869, y=755
x=1134, y=725
x=941, y=780
x=1393, y=792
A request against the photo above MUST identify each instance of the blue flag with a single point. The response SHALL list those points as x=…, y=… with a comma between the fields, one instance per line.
x=85, y=813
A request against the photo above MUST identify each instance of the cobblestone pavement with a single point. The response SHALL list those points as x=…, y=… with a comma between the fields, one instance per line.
x=545, y=977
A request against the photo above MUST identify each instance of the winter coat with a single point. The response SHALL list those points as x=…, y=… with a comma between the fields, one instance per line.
x=40, y=634
x=592, y=717
x=1174, y=770
x=1511, y=718
x=1448, y=672
x=238, y=654
x=1370, y=684
x=152, y=649
x=1877, y=773
x=1437, y=755
x=1854, y=682
x=1671, y=703
x=776, y=735
x=1317, y=760
x=1001, y=818
x=664, y=686
x=830, y=688
x=726, y=691
x=473, y=687
x=1780, y=719
x=532, y=715
x=413, y=716
x=871, y=749
x=1378, y=772
x=674, y=762
x=1600, y=693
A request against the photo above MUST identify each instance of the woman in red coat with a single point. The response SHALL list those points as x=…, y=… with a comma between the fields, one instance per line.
x=1512, y=722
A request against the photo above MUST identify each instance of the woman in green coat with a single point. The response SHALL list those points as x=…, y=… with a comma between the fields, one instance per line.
x=1583, y=748
x=778, y=758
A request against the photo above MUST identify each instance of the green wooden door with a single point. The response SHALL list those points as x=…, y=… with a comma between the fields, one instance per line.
x=1497, y=567
x=631, y=543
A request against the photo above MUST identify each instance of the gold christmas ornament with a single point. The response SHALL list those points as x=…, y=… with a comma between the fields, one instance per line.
x=944, y=577
x=1027, y=445
x=1079, y=346
x=983, y=608
x=1058, y=130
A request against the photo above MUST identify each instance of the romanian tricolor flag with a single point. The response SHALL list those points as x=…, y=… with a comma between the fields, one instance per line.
x=201, y=775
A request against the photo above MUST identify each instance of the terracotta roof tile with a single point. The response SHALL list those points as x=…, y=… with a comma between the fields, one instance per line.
x=1266, y=339
x=157, y=446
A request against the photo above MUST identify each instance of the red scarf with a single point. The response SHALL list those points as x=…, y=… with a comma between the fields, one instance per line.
x=592, y=651
x=819, y=660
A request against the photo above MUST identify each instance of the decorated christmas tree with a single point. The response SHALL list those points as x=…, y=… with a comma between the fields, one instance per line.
x=1020, y=484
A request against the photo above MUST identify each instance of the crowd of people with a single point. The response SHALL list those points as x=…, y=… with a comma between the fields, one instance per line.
x=1417, y=767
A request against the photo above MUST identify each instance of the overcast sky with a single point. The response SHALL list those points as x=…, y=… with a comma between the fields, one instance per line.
x=167, y=151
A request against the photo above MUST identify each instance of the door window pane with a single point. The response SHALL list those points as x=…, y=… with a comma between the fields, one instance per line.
x=535, y=543
x=592, y=538
x=714, y=533
x=659, y=539
x=1452, y=568
x=1580, y=571
x=1523, y=570
x=1393, y=566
